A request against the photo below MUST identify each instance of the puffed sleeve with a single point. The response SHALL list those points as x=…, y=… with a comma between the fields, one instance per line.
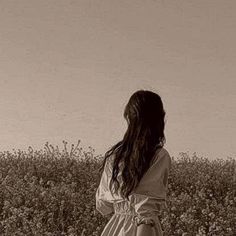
x=103, y=196
x=150, y=195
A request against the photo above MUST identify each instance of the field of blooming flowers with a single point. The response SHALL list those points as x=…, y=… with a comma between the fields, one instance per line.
x=51, y=192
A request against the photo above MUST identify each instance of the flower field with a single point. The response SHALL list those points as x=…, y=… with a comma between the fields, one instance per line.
x=51, y=192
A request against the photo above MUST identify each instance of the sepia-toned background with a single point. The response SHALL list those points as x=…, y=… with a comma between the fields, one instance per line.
x=68, y=68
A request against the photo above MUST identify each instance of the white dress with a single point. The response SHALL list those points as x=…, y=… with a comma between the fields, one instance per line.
x=145, y=201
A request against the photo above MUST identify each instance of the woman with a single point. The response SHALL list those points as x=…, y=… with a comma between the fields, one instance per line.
x=135, y=171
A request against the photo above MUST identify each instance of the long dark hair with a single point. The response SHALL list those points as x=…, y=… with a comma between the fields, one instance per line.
x=145, y=134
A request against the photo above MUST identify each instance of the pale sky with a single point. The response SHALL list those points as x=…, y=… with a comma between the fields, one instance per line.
x=68, y=68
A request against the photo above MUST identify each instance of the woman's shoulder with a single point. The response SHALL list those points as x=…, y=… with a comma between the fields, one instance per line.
x=110, y=159
x=165, y=153
x=110, y=162
x=162, y=155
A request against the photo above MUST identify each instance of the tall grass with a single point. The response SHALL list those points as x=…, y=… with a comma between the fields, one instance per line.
x=52, y=192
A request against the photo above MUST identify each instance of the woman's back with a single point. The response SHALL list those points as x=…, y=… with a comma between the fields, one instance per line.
x=145, y=201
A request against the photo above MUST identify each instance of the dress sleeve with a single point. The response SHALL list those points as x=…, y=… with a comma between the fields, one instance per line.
x=150, y=195
x=103, y=196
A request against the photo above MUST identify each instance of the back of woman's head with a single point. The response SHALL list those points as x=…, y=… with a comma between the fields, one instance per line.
x=145, y=116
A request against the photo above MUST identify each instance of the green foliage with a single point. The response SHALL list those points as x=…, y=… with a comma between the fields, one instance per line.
x=51, y=192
